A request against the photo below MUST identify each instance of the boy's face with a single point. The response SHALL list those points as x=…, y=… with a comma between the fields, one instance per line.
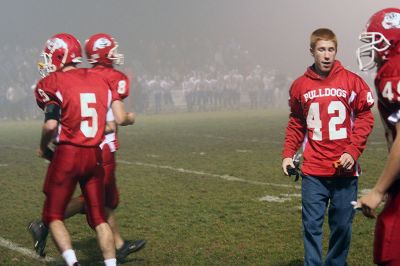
x=324, y=55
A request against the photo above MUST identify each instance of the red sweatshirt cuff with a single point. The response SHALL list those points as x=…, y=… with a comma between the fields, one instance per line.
x=353, y=151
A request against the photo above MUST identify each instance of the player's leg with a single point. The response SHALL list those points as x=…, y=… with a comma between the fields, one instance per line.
x=59, y=186
x=341, y=213
x=387, y=235
x=390, y=263
x=112, y=221
x=60, y=236
x=111, y=193
x=39, y=230
x=75, y=205
x=106, y=240
x=123, y=247
x=93, y=191
x=315, y=196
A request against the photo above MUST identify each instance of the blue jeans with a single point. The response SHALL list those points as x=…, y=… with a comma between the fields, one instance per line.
x=317, y=195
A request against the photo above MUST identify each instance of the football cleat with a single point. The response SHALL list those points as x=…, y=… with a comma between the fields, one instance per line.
x=39, y=234
x=129, y=247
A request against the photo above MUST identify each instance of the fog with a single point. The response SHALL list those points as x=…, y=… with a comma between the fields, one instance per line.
x=185, y=35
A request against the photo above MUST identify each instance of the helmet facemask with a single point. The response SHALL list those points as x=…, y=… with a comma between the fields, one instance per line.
x=46, y=66
x=114, y=56
x=375, y=45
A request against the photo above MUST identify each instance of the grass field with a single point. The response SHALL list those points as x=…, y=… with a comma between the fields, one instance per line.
x=190, y=185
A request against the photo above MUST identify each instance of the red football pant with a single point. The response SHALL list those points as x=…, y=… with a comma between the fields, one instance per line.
x=110, y=184
x=70, y=165
x=387, y=233
x=391, y=263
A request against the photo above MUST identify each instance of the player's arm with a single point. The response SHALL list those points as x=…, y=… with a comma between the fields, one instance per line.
x=52, y=117
x=295, y=132
x=111, y=127
x=390, y=173
x=120, y=90
x=362, y=125
x=122, y=118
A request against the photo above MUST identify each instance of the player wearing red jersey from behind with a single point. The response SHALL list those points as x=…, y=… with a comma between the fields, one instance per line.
x=119, y=86
x=75, y=102
x=382, y=50
x=102, y=53
x=330, y=115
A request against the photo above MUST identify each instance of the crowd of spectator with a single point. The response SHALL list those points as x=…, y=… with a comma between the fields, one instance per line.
x=165, y=77
x=18, y=74
x=210, y=91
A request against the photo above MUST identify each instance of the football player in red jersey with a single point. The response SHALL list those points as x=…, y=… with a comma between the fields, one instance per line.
x=382, y=50
x=107, y=48
x=102, y=53
x=330, y=115
x=75, y=102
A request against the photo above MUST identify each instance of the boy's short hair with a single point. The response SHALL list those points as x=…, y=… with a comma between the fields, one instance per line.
x=322, y=34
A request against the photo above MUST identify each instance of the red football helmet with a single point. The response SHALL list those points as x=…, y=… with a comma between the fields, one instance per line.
x=101, y=48
x=61, y=49
x=381, y=37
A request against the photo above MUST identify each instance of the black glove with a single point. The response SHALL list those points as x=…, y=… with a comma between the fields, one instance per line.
x=293, y=171
x=48, y=154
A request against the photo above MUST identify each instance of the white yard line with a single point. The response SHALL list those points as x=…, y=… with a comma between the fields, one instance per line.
x=244, y=151
x=24, y=251
x=225, y=177
x=270, y=198
x=281, y=198
x=377, y=143
x=181, y=170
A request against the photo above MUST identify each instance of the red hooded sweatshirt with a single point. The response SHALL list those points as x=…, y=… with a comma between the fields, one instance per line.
x=329, y=116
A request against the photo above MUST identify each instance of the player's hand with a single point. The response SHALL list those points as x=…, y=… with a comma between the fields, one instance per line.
x=39, y=153
x=346, y=161
x=48, y=154
x=131, y=118
x=285, y=163
x=45, y=154
x=369, y=202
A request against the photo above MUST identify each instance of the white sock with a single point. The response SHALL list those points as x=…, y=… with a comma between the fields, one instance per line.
x=110, y=262
x=69, y=257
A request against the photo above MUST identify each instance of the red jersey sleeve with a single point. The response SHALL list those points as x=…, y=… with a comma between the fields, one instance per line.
x=120, y=86
x=46, y=91
x=387, y=84
x=361, y=104
x=363, y=99
x=296, y=128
